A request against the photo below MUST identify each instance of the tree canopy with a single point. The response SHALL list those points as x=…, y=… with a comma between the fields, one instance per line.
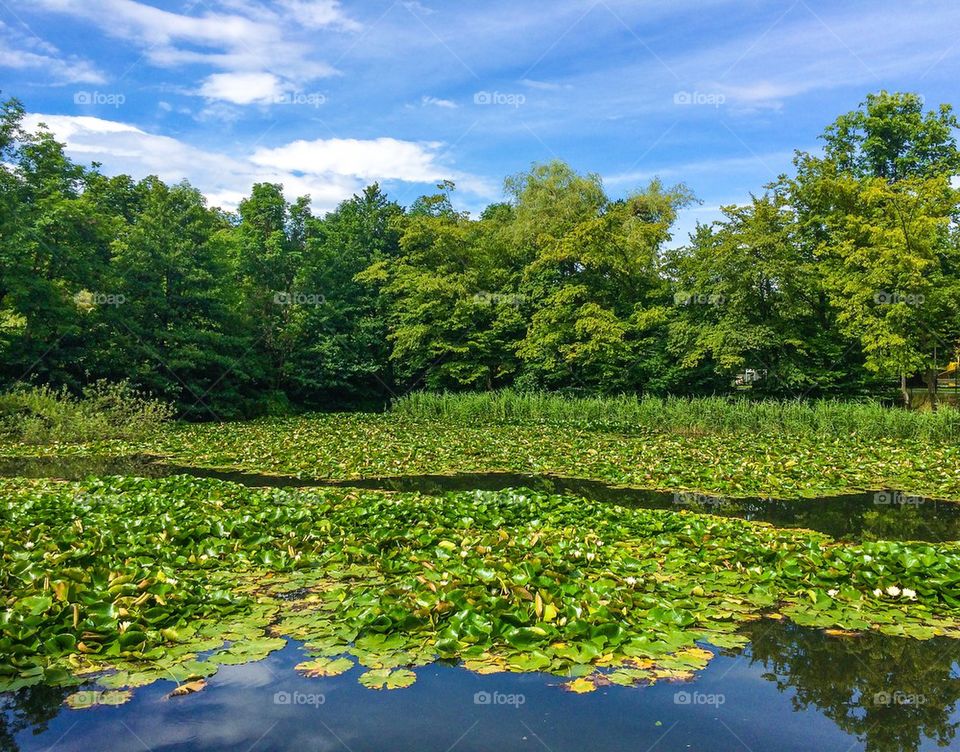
x=842, y=278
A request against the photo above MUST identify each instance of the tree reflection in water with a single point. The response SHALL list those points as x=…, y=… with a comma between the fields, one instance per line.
x=889, y=692
x=30, y=708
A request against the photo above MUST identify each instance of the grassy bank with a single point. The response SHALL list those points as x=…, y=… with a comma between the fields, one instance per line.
x=698, y=416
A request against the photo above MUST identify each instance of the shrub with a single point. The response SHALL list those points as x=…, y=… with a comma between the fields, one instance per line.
x=44, y=415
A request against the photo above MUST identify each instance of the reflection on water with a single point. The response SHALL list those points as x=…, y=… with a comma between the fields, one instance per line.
x=792, y=688
x=29, y=710
x=892, y=693
x=854, y=517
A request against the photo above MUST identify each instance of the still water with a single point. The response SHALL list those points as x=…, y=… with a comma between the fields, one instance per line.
x=791, y=688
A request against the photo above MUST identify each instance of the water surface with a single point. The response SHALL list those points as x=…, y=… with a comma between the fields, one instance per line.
x=791, y=689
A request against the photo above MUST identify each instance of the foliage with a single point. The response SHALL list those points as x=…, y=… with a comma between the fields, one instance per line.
x=560, y=286
x=42, y=415
x=141, y=576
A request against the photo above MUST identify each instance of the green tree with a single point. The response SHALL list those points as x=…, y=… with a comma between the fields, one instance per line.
x=174, y=327
x=592, y=286
x=878, y=207
x=338, y=325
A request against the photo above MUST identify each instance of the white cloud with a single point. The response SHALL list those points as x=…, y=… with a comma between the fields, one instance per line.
x=248, y=39
x=23, y=52
x=429, y=101
x=318, y=14
x=243, y=88
x=328, y=170
x=382, y=158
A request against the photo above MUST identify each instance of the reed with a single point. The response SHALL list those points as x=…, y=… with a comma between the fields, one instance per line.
x=694, y=416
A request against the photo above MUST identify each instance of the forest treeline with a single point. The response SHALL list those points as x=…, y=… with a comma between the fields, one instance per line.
x=839, y=279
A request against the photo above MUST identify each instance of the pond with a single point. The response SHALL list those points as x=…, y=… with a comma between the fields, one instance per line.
x=874, y=515
x=791, y=688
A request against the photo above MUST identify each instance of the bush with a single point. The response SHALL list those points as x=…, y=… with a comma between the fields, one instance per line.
x=43, y=415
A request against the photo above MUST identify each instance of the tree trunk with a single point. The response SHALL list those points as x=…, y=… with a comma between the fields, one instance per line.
x=904, y=391
x=932, y=388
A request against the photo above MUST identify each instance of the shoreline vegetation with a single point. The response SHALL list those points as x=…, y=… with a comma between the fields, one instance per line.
x=704, y=445
x=693, y=416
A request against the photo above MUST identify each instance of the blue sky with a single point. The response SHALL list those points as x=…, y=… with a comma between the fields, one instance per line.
x=328, y=96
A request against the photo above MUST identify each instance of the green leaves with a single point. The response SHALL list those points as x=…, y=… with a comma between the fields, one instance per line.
x=164, y=570
x=383, y=678
x=325, y=667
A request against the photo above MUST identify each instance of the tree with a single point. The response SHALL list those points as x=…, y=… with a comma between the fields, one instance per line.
x=589, y=287
x=750, y=299
x=174, y=324
x=878, y=207
x=338, y=325
x=453, y=317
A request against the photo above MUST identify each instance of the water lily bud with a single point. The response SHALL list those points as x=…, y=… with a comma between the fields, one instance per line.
x=878, y=592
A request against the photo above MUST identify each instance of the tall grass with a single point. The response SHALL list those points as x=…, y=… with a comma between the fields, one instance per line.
x=694, y=416
x=43, y=415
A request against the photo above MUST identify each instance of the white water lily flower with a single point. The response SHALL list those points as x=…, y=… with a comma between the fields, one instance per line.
x=833, y=593
x=893, y=590
x=631, y=581
x=908, y=593
x=591, y=556
x=878, y=592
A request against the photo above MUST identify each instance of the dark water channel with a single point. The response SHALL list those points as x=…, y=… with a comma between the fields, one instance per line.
x=882, y=515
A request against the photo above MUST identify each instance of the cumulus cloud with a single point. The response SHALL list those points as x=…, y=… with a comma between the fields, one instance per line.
x=381, y=158
x=243, y=88
x=329, y=170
